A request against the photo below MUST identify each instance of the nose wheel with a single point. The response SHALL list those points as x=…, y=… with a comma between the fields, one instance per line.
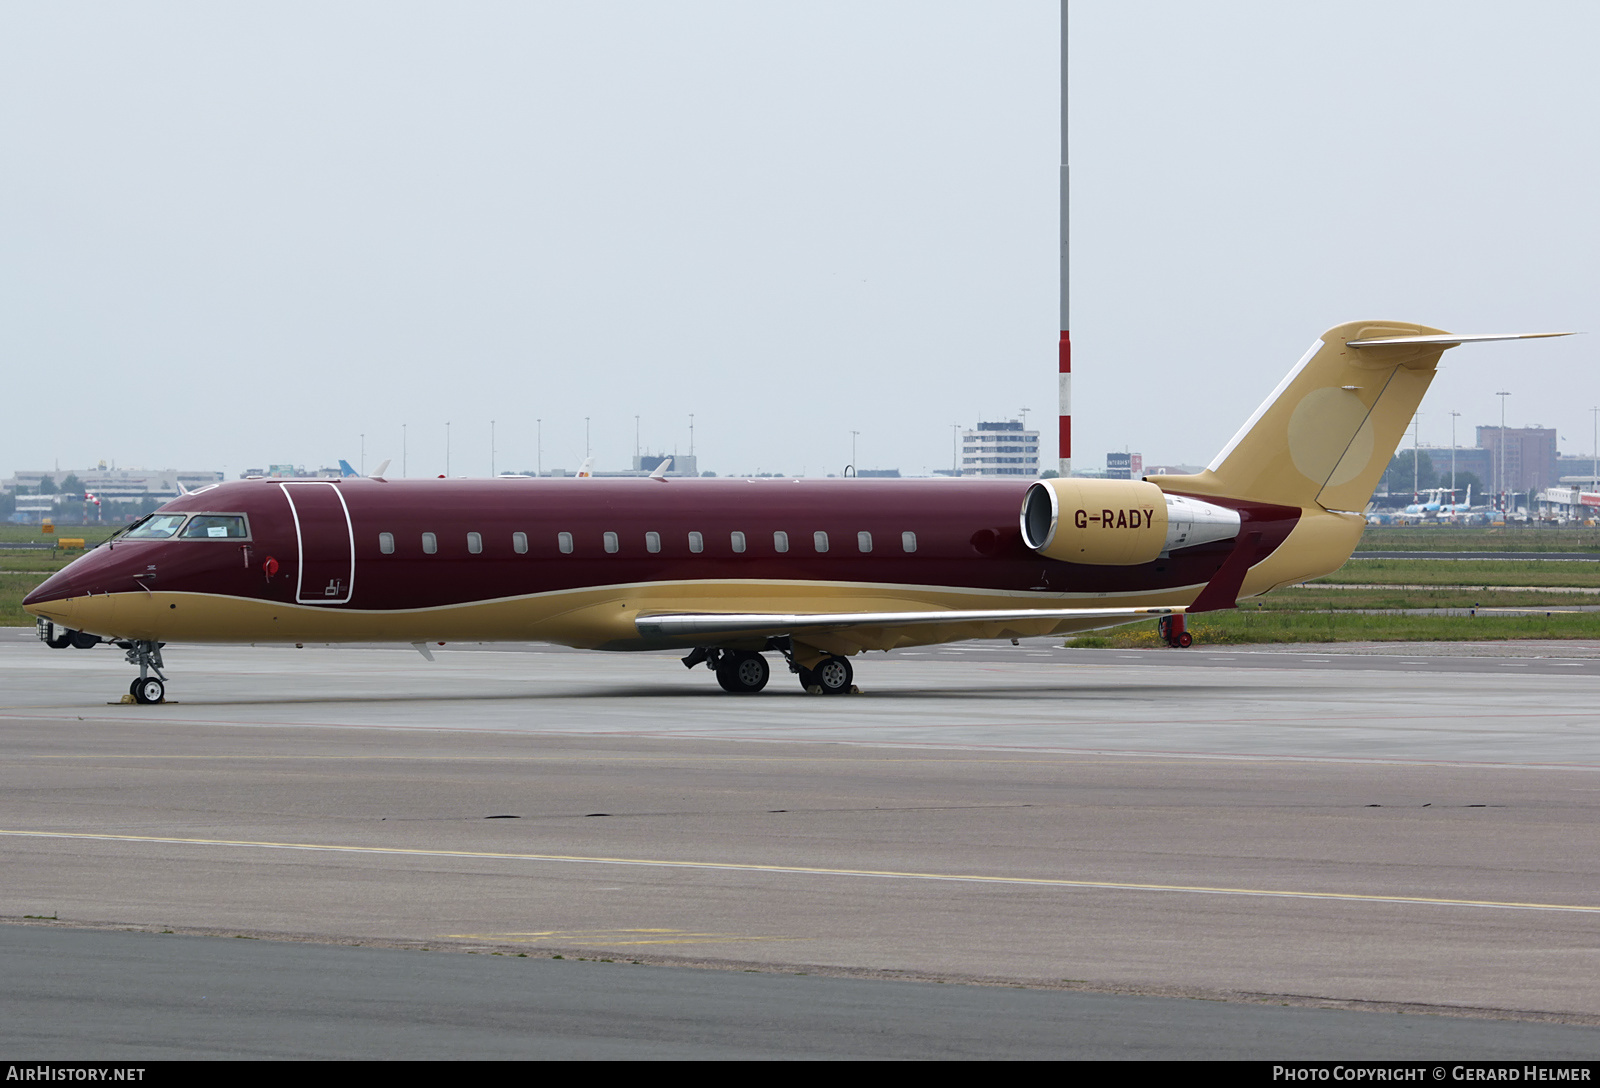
x=148, y=690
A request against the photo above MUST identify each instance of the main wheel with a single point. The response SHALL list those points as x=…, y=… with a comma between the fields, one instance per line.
x=149, y=690
x=743, y=673
x=833, y=676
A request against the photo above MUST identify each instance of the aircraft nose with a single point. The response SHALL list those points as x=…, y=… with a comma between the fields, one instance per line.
x=54, y=596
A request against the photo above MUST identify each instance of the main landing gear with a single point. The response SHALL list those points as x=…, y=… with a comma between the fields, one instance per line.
x=745, y=672
x=1170, y=629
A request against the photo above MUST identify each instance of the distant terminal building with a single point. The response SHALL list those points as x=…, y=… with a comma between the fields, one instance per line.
x=36, y=495
x=112, y=484
x=1468, y=459
x=289, y=472
x=644, y=464
x=1000, y=449
x=1529, y=457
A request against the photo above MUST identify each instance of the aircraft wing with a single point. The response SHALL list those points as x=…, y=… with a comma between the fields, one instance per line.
x=778, y=623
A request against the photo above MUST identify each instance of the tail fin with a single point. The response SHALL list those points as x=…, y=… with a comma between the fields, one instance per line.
x=1326, y=434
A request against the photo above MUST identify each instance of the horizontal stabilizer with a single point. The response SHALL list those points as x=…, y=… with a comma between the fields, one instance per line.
x=757, y=623
x=1449, y=339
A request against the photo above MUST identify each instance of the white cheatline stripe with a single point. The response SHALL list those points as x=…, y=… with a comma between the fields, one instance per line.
x=807, y=870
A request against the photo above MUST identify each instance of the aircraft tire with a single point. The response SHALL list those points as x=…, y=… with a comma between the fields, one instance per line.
x=743, y=673
x=149, y=690
x=82, y=641
x=833, y=676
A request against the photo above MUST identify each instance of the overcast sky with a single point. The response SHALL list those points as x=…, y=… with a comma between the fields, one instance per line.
x=233, y=235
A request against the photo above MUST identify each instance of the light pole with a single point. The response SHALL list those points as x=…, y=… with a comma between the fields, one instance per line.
x=1453, y=416
x=1501, y=472
x=586, y=453
x=1594, y=473
x=1415, y=455
x=853, y=451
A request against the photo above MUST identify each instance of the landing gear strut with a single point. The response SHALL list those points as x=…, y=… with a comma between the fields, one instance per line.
x=1171, y=631
x=146, y=655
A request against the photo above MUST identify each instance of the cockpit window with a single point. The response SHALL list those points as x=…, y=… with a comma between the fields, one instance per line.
x=156, y=527
x=215, y=527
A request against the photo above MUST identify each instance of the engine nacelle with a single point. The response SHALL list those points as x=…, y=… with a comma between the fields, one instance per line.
x=1119, y=523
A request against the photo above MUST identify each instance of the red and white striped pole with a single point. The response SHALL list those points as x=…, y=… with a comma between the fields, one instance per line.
x=1065, y=351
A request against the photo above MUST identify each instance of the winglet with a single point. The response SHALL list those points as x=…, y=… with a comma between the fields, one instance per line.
x=586, y=469
x=660, y=471
x=380, y=470
x=1223, y=590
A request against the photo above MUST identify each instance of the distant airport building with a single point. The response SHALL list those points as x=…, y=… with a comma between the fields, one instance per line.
x=1000, y=449
x=290, y=472
x=1530, y=457
x=40, y=494
x=113, y=484
x=1568, y=504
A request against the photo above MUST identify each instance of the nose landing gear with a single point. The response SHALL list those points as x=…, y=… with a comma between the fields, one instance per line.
x=147, y=655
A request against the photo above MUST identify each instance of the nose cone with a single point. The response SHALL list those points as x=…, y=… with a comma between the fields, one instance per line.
x=53, y=599
x=76, y=596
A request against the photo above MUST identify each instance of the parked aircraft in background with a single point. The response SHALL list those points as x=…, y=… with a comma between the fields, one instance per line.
x=815, y=571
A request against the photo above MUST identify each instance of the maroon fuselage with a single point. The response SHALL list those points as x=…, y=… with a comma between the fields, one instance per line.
x=966, y=536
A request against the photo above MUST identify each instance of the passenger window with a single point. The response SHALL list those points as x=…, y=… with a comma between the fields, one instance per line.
x=697, y=543
x=819, y=540
x=564, y=542
x=864, y=541
x=780, y=541
x=652, y=542
x=475, y=543
x=611, y=543
x=386, y=543
x=737, y=539
x=908, y=542
x=519, y=542
x=430, y=543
